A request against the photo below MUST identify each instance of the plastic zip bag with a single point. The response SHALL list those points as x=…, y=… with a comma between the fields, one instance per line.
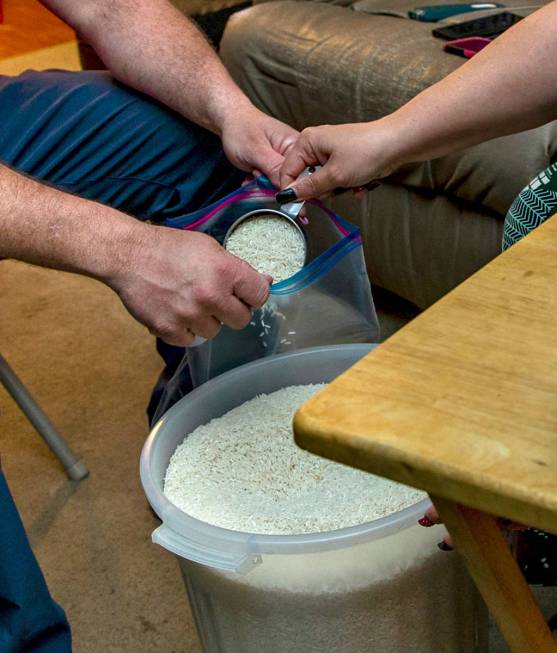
x=327, y=302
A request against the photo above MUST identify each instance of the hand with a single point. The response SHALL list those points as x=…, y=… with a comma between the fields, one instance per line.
x=431, y=518
x=257, y=143
x=350, y=155
x=181, y=284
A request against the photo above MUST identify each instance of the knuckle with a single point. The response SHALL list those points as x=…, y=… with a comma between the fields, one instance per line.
x=224, y=266
x=205, y=296
x=244, y=273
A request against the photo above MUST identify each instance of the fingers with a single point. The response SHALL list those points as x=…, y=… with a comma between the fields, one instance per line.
x=431, y=518
x=303, y=153
x=184, y=333
x=446, y=544
x=191, y=287
x=234, y=313
x=316, y=185
x=249, y=286
x=432, y=514
x=271, y=167
x=281, y=140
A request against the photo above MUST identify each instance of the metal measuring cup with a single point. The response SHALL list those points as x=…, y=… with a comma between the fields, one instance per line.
x=265, y=213
x=289, y=212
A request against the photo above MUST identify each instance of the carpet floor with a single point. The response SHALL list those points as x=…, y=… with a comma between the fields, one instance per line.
x=90, y=367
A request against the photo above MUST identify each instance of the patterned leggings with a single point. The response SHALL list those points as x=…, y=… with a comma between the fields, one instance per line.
x=532, y=206
x=535, y=550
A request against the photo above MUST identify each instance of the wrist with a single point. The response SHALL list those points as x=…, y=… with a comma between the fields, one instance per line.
x=118, y=242
x=399, y=141
x=234, y=113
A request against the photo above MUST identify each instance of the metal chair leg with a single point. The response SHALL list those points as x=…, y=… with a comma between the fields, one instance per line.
x=75, y=469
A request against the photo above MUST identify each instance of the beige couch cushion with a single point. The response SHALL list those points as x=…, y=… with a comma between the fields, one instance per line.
x=330, y=64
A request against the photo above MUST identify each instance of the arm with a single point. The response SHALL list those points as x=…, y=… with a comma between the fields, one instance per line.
x=151, y=46
x=177, y=283
x=508, y=87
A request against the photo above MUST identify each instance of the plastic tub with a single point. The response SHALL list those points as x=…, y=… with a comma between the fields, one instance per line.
x=382, y=587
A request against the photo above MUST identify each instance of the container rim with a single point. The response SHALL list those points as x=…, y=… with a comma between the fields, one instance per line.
x=184, y=524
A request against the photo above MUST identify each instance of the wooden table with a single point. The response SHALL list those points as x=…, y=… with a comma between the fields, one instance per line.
x=462, y=402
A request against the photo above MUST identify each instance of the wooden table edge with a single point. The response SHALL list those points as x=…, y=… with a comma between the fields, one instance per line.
x=393, y=463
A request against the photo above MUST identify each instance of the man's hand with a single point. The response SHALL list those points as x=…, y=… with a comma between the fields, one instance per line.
x=153, y=47
x=181, y=284
x=350, y=155
x=177, y=283
x=257, y=143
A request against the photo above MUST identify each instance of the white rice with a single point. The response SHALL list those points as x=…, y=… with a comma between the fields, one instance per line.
x=393, y=594
x=270, y=244
x=243, y=471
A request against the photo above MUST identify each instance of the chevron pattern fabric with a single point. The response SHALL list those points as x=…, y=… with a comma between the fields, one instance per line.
x=533, y=205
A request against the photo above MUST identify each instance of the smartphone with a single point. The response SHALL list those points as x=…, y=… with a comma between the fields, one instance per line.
x=467, y=47
x=486, y=26
x=433, y=13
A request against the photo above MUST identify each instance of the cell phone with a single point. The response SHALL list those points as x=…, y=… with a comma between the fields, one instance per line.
x=467, y=47
x=486, y=26
x=433, y=13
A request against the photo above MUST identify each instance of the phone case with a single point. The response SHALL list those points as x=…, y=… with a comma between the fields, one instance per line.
x=433, y=13
x=486, y=26
x=467, y=47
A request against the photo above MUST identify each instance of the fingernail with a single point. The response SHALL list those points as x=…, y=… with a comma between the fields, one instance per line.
x=426, y=521
x=285, y=196
x=445, y=547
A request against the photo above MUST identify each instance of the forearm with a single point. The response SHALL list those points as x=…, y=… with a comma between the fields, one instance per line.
x=151, y=46
x=506, y=88
x=44, y=226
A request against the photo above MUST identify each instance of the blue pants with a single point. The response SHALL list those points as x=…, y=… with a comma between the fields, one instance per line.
x=89, y=135
x=29, y=619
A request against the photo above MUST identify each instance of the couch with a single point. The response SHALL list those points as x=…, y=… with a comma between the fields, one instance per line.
x=428, y=226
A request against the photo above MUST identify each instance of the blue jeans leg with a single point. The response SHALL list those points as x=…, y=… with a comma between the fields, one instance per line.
x=90, y=135
x=30, y=620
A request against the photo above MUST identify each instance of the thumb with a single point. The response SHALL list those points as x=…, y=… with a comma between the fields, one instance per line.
x=271, y=167
x=314, y=185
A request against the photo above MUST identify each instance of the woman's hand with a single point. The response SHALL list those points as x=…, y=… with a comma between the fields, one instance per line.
x=351, y=155
x=431, y=518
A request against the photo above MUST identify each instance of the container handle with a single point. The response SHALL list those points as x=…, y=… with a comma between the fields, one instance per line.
x=240, y=563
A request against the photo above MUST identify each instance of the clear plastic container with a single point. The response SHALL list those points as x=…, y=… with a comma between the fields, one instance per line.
x=382, y=587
